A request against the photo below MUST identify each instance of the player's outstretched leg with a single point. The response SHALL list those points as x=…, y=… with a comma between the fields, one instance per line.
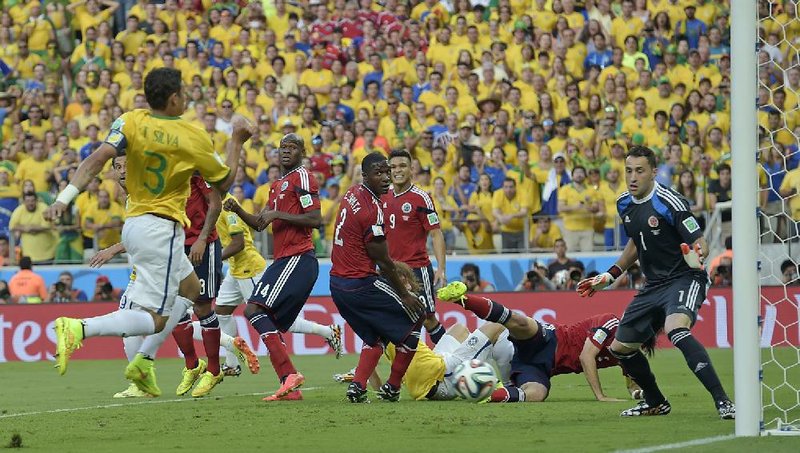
x=290, y=379
x=332, y=333
x=434, y=328
x=700, y=363
x=484, y=308
x=131, y=346
x=233, y=345
x=71, y=332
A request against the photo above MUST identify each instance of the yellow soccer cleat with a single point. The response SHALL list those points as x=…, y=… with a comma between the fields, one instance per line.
x=69, y=337
x=207, y=383
x=132, y=392
x=142, y=372
x=453, y=292
x=190, y=377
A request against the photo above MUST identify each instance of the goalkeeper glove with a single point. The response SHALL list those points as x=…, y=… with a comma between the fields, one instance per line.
x=692, y=255
x=588, y=286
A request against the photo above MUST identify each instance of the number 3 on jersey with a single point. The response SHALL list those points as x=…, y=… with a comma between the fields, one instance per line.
x=336, y=239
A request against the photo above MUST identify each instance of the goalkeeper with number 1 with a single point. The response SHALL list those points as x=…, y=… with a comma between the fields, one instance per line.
x=669, y=244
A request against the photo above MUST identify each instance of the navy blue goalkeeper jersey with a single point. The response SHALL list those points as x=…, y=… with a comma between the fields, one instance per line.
x=658, y=224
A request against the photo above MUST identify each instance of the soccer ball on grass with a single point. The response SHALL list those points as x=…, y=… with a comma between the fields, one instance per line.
x=474, y=380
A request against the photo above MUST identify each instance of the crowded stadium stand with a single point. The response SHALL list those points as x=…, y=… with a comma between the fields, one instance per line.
x=518, y=113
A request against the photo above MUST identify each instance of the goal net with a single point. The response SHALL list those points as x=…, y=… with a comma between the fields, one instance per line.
x=778, y=119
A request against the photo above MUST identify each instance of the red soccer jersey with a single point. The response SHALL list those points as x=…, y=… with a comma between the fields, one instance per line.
x=295, y=193
x=409, y=216
x=599, y=329
x=196, y=210
x=360, y=221
x=321, y=162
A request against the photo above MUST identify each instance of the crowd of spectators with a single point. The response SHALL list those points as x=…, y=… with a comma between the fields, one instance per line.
x=518, y=113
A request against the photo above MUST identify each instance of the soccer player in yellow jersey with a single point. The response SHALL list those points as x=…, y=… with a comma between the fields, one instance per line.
x=164, y=151
x=246, y=267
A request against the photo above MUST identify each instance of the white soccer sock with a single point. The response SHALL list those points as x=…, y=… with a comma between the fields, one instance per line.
x=227, y=325
x=120, y=323
x=502, y=352
x=132, y=345
x=302, y=325
x=150, y=345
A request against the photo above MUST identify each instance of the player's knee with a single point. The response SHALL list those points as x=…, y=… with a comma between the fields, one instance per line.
x=620, y=350
x=492, y=331
x=535, y=392
x=458, y=331
x=677, y=321
x=224, y=310
x=160, y=321
x=521, y=326
x=190, y=287
x=251, y=310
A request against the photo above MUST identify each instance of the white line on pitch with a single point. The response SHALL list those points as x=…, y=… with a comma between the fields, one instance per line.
x=688, y=443
x=136, y=403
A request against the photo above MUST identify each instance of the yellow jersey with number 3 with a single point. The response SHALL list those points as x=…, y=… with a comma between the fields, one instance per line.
x=248, y=262
x=162, y=154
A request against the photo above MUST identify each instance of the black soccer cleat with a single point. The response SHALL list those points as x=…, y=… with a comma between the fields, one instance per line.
x=726, y=409
x=387, y=392
x=234, y=371
x=356, y=393
x=643, y=409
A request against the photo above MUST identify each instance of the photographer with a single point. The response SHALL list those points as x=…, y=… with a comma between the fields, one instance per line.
x=536, y=280
x=723, y=273
x=62, y=291
x=568, y=279
x=633, y=278
x=471, y=276
x=104, y=292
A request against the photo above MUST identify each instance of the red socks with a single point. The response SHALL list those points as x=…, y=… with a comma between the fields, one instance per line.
x=278, y=355
x=367, y=362
x=402, y=360
x=183, y=335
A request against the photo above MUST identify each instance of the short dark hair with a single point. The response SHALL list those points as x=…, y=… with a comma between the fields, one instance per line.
x=370, y=160
x=25, y=263
x=786, y=264
x=723, y=167
x=471, y=267
x=159, y=85
x=643, y=151
x=400, y=153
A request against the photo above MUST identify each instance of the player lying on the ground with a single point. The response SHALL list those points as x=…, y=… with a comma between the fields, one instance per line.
x=428, y=376
x=544, y=350
x=661, y=227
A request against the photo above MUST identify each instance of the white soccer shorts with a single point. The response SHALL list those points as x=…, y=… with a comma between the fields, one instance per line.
x=235, y=291
x=476, y=346
x=155, y=247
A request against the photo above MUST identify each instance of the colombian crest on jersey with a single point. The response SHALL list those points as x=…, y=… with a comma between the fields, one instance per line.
x=284, y=185
x=406, y=208
x=652, y=221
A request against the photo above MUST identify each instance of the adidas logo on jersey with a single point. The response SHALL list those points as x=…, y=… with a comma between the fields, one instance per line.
x=627, y=219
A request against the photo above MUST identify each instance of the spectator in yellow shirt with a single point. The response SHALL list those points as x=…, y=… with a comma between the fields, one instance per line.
x=578, y=205
x=545, y=233
x=34, y=233
x=37, y=168
x=510, y=209
x=104, y=220
x=478, y=233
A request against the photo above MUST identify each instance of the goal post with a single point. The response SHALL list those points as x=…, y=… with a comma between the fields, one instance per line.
x=744, y=151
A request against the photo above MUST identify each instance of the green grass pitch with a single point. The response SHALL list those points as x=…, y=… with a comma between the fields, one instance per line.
x=76, y=413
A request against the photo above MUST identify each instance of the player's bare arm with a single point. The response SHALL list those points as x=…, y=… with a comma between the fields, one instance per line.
x=588, y=358
x=242, y=131
x=251, y=220
x=310, y=219
x=588, y=286
x=199, y=247
x=440, y=252
x=235, y=246
x=88, y=169
x=378, y=252
x=105, y=255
